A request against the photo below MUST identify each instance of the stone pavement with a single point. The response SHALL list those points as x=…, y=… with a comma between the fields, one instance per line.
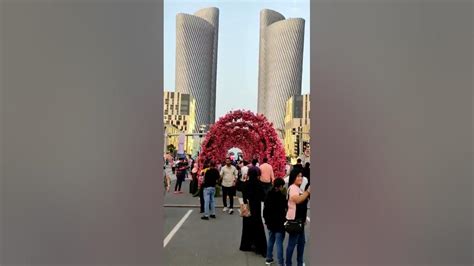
x=214, y=242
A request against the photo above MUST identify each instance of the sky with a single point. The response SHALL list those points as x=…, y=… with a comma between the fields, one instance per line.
x=238, y=46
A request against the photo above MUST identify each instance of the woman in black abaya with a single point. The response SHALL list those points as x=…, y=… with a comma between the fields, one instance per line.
x=253, y=231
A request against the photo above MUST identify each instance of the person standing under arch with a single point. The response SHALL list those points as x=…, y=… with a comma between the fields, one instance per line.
x=267, y=176
x=229, y=178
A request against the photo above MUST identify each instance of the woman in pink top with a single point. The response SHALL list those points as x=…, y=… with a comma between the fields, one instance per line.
x=297, y=210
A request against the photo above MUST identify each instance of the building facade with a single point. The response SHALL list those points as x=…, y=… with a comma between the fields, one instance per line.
x=180, y=113
x=297, y=125
x=280, y=64
x=196, y=60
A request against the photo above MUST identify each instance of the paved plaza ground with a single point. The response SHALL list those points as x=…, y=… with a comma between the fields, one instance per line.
x=192, y=241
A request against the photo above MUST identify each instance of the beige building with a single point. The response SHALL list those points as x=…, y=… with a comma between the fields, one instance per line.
x=180, y=113
x=280, y=64
x=297, y=121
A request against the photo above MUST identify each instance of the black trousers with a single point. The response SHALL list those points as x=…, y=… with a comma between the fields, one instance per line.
x=201, y=198
x=267, y=187
x=179, y=181
x=228, y=191
x=193, y=185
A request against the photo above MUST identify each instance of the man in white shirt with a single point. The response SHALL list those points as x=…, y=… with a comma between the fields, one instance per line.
x=229, y=176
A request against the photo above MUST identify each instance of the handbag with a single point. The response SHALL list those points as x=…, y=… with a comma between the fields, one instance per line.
x=294, y=226
x=244, y=210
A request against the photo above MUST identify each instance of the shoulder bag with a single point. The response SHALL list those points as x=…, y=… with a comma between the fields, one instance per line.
x=295, y=226
x=244, y=210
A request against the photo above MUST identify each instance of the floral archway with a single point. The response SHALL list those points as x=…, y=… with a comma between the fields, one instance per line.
x=250, y=132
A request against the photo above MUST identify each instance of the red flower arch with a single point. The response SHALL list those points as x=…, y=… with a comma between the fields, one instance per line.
x=250, y=132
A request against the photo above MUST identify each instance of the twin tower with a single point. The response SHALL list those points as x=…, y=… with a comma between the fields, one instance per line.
x=280, y=62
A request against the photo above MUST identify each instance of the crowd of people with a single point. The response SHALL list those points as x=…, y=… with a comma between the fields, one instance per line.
x=284, y=201
x=182, y=166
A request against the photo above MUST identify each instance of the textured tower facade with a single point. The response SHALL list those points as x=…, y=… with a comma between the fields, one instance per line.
x=267, y=17
x=196, y=60
x=280, y=64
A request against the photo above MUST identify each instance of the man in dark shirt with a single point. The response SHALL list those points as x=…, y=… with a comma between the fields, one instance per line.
x=253, y=187
x=274, y=214
x=254, y=170
x=209, y=191
x=298, y=165
x=180, y=172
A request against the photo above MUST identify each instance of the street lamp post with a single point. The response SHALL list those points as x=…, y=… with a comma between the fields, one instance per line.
x=282, y=132
x=166, y=141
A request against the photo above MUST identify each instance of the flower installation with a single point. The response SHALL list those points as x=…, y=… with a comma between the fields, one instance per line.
x=250, y=132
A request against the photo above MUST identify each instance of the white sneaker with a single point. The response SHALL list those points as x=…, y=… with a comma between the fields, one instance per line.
x=231, y=211
x=225, y=209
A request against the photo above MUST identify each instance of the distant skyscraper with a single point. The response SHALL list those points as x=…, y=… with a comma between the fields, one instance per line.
x=280, y=64
x=196, y=60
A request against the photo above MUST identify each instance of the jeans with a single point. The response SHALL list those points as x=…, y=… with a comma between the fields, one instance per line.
x=299, y=241
x=279, y=237
x=228, y=191
x=266, y=188
x=209, y=201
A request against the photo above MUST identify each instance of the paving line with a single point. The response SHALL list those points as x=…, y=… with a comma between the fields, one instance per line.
x=176, y=228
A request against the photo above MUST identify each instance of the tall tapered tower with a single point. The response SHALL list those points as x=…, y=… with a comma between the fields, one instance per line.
x=196, y=60
x=280, y=64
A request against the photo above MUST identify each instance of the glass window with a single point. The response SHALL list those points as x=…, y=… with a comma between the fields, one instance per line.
x=185, y=98
x=298, y=107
